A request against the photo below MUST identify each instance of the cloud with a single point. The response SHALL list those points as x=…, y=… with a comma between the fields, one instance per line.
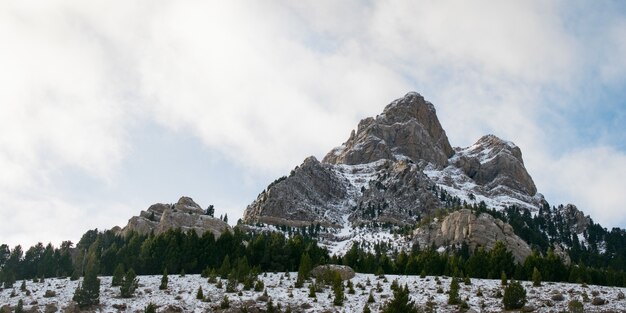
x=267, y=85
x=592, y=179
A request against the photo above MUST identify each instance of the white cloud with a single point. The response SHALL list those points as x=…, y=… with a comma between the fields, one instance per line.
x=266, y=85
x=592, y=179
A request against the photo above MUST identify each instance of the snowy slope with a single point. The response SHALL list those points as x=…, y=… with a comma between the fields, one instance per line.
x=182, y=294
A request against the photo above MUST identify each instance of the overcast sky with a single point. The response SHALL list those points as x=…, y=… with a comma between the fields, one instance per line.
x=107, y=106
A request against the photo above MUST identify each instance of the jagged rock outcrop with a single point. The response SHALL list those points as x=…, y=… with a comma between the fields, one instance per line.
x=185, y=214
x=310, y=195
x=574, y=218
x=407, y=128
x=494, y=163
x=475, y=230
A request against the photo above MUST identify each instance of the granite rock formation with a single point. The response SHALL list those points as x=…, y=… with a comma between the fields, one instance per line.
x=185, y=214
x=464, y=226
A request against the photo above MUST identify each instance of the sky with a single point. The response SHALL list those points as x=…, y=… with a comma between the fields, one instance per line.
x=107, y=107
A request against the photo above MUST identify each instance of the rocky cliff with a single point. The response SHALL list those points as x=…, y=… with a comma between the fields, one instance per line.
x=185, y=214
x=464, y=226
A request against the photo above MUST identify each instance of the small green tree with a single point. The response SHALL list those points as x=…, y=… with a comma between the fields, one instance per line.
x=312, y=290
x=225, y=304
x=514, y=296
x=366, y=308
x=400, y=302
x=303, y=270
x=118, y=275
x=151, y=308
x=453, y=295
x=20, y=306
x=370, y=299
x=23, y=285
x=129, y=284
x=200, y=294
x=225, y=268
x=88, y=293
x=503, y=279
x=536, y=277
x=164, y=280
x=337, y=289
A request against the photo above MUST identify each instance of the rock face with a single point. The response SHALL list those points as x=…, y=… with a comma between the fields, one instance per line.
x=575, y=218
x=303, y=198
x=185, y=214
x=493, y=163
x=464, y=226
x=408, y=127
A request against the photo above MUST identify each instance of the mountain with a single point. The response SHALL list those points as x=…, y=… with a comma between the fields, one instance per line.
x=395, y=170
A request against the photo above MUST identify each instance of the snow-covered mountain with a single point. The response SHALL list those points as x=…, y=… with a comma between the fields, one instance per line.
x=396, y=169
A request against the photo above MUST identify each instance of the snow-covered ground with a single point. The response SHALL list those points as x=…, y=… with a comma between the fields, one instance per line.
x=181, y=293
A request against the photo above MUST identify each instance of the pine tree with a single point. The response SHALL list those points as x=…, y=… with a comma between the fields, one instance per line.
x=164, y=280
x=304, y=269
x=23, y=285
x=20, y=306
x=200, y=294
x=88, y=293
x=225, y=268
x=536, y=277
x=151, y=308
x=337, y=289
x=503, y=278
x=129, y=284
x=118, y=275
x=370, y=299
x=400, y=302
x=366, y=308
x=514, y=296
x=225, y=304
x=453, y=295
x=312, y=290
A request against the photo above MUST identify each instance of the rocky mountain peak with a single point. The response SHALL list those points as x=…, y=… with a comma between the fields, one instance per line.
x=495, y=163
x=407, y=128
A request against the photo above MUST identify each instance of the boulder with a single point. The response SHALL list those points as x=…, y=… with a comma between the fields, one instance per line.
x=346, y=272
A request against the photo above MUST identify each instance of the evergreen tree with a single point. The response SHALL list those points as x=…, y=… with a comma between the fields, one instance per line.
x=366, y=308
x=225, y=268
x=129, y=284
x=23, y=285
x=453, y=295
x=337, y=289
x=370, y=299
x=88, y=293
x=514, y=296
x=400, y=302
x=503, y=278
x=225, y=304
x=164, y=280
x=210, y=210
x=20, y=306
x=118, y=275
x=151, y=308
x=304, y=269
x=312, y=290
x=536, y=277
x=200, y=294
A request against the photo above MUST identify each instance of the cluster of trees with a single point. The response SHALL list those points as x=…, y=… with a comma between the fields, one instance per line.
x=174, y=251
x=478, y=264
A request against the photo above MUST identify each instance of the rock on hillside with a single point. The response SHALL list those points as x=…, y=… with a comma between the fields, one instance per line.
x=185, y=214
x=475, y=230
